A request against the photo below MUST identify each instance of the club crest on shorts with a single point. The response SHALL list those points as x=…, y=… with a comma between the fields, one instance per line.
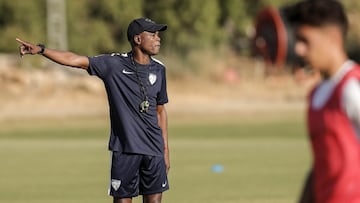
x=152, y=78
x=115, y=184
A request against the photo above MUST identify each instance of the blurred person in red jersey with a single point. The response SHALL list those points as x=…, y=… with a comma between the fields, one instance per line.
x=333, y=118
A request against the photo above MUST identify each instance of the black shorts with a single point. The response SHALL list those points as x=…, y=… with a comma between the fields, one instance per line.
x=134, y=174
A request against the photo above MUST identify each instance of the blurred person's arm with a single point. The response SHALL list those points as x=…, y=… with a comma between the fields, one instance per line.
x=306, y=195
x=61, y=57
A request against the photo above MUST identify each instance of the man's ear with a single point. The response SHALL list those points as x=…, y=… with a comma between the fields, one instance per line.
x=137, y=39
x=334, y=35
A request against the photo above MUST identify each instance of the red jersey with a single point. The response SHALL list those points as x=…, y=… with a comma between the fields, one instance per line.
x=336, y=149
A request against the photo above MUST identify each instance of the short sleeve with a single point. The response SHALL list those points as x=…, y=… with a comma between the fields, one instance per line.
x=351, y=98
x=98, y=66
x=162, y=97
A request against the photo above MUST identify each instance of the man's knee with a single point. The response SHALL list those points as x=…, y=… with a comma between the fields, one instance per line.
x=122, y=200
x=155, y=198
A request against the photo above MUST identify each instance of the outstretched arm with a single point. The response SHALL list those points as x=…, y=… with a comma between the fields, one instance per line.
x=163, y=123
x=61, y=57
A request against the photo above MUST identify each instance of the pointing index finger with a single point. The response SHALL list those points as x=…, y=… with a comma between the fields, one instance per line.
x=20, y=41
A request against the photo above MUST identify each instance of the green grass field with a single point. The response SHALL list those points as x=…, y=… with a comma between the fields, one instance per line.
x=67, y=161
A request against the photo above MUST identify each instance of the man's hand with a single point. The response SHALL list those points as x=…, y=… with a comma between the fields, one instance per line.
x=27, y=48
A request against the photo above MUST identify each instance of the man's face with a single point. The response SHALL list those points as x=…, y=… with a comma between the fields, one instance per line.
x=150, y=42
x=313, y=44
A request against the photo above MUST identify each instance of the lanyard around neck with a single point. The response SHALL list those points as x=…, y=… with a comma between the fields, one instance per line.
x=144, y=106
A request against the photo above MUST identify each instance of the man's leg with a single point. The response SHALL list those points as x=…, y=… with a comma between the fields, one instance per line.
x=153, y=179
x=122, y=200
x=155, y=198
x=125, y=179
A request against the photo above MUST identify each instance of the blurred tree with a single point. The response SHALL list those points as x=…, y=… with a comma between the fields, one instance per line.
x=237, y=19
x=192, y=24
x=353, y=42
x=18, y=18
x=56, y=24
x=100, y=26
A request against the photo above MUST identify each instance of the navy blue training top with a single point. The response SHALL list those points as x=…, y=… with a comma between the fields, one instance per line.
x=131, y=130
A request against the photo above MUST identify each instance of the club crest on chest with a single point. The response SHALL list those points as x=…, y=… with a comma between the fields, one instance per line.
x=152, y=78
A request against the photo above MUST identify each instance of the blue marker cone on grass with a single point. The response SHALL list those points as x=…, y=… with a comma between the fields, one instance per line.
x=217, y=168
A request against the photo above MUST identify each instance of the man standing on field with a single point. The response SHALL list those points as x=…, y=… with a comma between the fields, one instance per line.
x=334, y=104
x=136, y=88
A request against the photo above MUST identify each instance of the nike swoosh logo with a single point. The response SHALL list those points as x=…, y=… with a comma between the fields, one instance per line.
x=164, y=184
x=127, y=72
